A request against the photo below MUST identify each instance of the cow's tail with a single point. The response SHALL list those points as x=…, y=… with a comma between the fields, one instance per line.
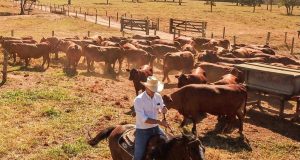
x=101, y=135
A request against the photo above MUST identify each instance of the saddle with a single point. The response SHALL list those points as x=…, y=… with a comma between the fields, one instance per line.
x=126, y=141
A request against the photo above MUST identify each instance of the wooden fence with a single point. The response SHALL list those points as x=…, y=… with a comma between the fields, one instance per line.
x=177, y=26
x=137, y=25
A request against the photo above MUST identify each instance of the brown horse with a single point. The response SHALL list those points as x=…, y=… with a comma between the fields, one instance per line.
x=185, y=147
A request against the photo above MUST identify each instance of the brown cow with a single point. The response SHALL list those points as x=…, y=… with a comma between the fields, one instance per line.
x=74, y=53
x=7, y=45
x=177, y=61
x=146, y=37
x=195, y=99
x=138, y=76
x=209, y=44
x=227, y=79
x=146, y=48
x=189, y=47
x=159, y=50
x=166, y=42
x=27, y=51
x=53, y=41
x=211, y=56
x=107, y=54
x=214, y=72
x=197, y=76
x=138, y=58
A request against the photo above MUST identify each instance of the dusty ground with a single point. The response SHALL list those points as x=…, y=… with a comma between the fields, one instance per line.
x=46, y=115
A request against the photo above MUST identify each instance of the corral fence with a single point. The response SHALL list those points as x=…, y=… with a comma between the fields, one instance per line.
x=138, y=25
x=179, y=26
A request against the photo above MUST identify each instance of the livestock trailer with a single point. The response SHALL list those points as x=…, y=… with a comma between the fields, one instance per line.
x=273, y=80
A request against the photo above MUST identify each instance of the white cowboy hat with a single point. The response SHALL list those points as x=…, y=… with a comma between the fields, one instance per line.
x=153, y=84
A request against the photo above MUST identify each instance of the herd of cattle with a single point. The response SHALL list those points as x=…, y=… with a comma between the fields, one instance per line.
x=207, y=66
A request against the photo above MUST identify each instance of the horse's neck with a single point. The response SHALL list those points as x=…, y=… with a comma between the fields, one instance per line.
x=153, y=143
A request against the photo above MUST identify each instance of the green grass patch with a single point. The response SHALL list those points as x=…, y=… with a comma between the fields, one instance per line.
x=29, y=96
x=51, y=112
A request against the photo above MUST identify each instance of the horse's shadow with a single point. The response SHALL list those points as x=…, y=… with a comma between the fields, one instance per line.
x=237, y=144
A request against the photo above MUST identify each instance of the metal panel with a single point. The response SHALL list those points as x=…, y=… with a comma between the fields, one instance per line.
x=271, y=79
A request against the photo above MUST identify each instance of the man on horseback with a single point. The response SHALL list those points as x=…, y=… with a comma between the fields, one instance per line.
x=147, y=105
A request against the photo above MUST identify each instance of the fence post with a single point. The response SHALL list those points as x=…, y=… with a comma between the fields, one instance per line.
x=268, y=38
x=12, y=33
x=234, y=41
x=106, y=13
x=178, y=33
x=285, y=37
x=224, y=33
x=203, y=29
x=174, y=33
x=68, y=11
x=171, y=25
x=76, y=14
x=85, y=16
x=180, y=2
x=109, y=22
x=117, y=16
x=89, y=33
x=4, y=72
x=121, y=22
x=96, y=19
x=52, y=33
x=292, y=49
x=155, y=31
x=147, y=27
x=80, y=10
x=157, y=24
x=212, y=35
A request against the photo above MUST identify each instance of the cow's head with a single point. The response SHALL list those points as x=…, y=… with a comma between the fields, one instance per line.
x=168, y=101
x=133, y=74
x=239, y=74
x=182, y=80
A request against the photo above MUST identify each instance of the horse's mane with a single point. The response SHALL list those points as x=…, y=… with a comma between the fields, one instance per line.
x=160, y=151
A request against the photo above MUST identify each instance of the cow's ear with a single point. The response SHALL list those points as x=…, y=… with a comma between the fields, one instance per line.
x=128, y=70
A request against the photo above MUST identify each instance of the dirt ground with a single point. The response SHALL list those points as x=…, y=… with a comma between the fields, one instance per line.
x=48, y=114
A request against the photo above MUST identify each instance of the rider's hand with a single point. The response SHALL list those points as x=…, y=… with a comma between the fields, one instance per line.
x=164, y=110
x=164, y=123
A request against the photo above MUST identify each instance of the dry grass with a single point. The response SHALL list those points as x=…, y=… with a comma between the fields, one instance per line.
x=239, y=21
x=46, y=115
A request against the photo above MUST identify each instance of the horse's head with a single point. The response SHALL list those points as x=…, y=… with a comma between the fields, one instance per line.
x=184, y=147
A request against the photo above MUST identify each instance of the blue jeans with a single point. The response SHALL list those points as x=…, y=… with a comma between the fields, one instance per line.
x=142, y=137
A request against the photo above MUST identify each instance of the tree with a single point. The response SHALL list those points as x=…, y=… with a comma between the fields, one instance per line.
x=23, y=4
x=289, y=5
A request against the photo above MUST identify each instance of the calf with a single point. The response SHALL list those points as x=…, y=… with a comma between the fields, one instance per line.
x=177, y=61
x=27, y=51
x=107, y=54
x=197, y=76
x=222, y=100
x=138, y=76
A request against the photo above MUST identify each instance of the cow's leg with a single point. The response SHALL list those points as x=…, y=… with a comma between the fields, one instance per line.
x=166, y=72
x=26, y=62
x=44, y=61
x=48, y=60
x=88, y=63
x=241, y=119
x=15, y=58
x=56, y=55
